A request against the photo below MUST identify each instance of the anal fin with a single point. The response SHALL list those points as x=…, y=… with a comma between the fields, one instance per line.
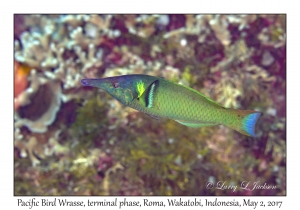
x=194, y=125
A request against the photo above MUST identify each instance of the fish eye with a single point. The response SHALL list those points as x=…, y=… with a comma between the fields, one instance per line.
x=115, y=84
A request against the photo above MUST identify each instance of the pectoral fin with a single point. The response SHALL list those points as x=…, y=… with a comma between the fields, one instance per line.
x=194, y=125
x=147, y=98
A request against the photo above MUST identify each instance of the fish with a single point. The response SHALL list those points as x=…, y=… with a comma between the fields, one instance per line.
x=161, y=98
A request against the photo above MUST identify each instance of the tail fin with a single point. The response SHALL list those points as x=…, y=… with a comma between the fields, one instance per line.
x=247, y=121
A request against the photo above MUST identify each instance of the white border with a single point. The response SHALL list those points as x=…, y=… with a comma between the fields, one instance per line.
x=187, y=6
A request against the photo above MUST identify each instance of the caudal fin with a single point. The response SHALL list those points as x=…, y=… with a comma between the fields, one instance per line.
x=247, y=121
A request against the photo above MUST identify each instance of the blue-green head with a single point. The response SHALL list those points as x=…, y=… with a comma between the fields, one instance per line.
x=123, y=88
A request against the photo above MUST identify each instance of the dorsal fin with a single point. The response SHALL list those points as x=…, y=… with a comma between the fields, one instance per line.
x=148, y=96
x=206, y=97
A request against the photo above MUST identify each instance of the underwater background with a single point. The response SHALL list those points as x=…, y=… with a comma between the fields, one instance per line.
x=75, y=140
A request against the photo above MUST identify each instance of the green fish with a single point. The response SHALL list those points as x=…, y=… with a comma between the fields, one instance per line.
x=161, y=98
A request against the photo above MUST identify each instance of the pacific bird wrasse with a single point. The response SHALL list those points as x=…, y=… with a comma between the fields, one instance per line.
x=161, y=98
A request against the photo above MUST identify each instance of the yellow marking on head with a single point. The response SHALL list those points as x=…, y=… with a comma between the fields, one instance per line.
x=140, y=88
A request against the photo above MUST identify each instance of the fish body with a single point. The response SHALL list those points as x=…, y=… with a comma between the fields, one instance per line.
x=161, y=98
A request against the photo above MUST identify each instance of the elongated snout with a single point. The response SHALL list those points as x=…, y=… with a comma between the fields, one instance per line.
x=100, y=83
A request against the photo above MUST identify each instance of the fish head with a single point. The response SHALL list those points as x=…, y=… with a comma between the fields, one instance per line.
x=121, y=88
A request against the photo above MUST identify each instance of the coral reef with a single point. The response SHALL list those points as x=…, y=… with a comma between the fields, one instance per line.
x=75, y=140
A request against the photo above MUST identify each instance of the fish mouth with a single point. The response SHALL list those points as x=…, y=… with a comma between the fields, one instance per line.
x=85, y=82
